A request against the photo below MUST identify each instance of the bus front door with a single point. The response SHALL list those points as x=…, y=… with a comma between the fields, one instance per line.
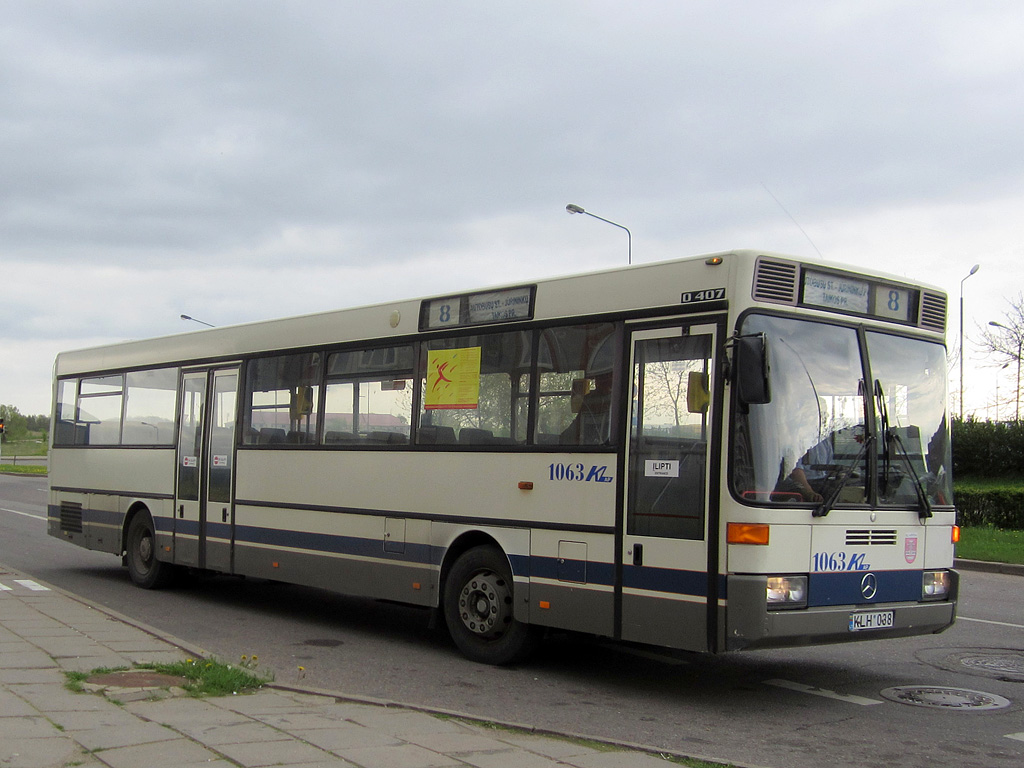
x=204, y=504
x=664, y=544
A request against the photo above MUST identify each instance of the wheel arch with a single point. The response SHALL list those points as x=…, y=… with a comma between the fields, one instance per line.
x=136, y=508
x=478, y=538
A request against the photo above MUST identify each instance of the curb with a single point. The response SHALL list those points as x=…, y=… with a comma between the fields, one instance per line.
x=983, y=566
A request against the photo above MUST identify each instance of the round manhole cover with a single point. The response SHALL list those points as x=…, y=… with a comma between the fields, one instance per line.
x=1008, y=663
x=945, y=698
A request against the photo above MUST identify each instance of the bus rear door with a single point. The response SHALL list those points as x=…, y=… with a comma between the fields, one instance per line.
x=204, y=504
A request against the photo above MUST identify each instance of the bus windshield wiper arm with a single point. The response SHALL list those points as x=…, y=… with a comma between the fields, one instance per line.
x=892, y=438
x=826, y=505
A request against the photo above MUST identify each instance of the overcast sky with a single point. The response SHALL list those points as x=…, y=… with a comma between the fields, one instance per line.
x=244, y=160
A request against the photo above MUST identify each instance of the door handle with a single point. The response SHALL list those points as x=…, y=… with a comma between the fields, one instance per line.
x=638, y=554
x=181, y=510
x=224, y=515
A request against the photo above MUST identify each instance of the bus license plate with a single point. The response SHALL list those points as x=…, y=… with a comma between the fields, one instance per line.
x=872, y=620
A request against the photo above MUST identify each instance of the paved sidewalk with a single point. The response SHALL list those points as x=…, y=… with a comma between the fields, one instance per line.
x=44, y=632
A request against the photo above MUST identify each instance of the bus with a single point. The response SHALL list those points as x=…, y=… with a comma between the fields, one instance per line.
x=734, y=451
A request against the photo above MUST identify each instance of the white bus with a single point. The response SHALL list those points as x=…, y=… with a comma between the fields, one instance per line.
x=732, y=451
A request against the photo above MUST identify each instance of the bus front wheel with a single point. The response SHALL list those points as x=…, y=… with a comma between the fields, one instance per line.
x=143, y=567
x=478, y=609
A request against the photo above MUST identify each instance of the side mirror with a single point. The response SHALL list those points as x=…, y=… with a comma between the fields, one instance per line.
x=750, y=369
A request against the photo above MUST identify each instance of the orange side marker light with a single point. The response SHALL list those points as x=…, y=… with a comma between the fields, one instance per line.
x=747, y=533
x=956, y=534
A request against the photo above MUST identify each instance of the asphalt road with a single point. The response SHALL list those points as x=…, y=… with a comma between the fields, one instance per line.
x=795, y=708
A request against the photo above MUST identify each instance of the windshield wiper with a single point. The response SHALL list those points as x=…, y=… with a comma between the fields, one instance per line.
x=845, y=473
x=892, y=438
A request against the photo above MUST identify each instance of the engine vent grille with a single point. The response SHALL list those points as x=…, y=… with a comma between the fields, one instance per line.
x=71, y=516
x=933, y=311
x=775, y=281
x=870, y=537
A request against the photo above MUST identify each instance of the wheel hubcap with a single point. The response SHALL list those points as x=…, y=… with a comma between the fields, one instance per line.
x=484, y=604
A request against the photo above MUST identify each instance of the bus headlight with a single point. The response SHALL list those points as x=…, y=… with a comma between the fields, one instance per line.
x=787, y=592
x=935, y=585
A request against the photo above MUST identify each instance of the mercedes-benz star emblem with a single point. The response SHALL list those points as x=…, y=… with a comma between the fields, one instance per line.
x=869, y=586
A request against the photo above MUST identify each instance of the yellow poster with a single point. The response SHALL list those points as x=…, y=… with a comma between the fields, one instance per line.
x=453, y=379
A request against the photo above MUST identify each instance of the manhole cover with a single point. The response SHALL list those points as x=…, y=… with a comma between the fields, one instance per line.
x=945, y=698
x=136, y=678
x=1007, y=663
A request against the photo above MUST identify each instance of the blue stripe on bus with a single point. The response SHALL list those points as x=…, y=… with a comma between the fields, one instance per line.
x=666, y=580
x=846, y=588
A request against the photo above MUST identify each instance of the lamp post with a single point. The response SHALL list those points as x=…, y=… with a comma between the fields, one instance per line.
x=573, y=208
x=973, y=270
x=1020, y=343
x=195, y=320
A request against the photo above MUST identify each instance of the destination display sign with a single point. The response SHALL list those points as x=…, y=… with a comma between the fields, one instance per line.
x=483, y=308
x=859, y=296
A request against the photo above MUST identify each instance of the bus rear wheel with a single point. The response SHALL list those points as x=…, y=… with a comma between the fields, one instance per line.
x=143, y=567
x=478, y=609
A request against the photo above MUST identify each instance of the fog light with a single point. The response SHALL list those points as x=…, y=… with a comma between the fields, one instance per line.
x=935, y=585
x=786, y=592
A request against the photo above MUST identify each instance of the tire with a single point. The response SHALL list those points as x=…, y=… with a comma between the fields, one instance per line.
x=478, y=609
x=143, y=567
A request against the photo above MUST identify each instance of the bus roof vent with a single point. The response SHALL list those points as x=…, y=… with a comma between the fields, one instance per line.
x=933, y=311
x=775, y=281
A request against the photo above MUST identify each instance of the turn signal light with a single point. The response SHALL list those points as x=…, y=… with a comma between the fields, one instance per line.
x=956, y=534
x=747, y=533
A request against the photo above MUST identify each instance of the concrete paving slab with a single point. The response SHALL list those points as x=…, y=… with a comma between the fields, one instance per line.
x=12, y=705
x=111, y=717
x=553, y=747
x=401, y=756
x=509, y=757
x=338, y=739
x=29, y=658
x=457, y=743
x=33, y=753
x=289, y=721
x=180, y=753
x=112, y=736
x=33, y=726
x=47, y=698
x=286, y=751
x=31, y=675
x=399, y=722
x=246, y=732
x=185, y=713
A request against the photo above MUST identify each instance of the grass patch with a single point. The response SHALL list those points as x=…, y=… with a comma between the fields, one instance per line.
x=991, y=544
x=209, y=677
x=204, y=677
x=23, y=469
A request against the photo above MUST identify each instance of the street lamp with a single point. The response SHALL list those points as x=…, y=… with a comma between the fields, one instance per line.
x=194, y=320
x=1020, y=343
x=573, y=208
x=973, y=270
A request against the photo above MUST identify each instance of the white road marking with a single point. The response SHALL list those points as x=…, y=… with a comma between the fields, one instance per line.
x=23, y=514
x=849, y=698
x=35, y=586
x=1017, y=736
x=986, y=621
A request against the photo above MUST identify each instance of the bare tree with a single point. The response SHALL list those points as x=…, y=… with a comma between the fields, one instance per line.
x=1003, y=339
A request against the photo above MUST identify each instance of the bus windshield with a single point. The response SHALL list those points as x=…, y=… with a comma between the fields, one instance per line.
x=829, y=438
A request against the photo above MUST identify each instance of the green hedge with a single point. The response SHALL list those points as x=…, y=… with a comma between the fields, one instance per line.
x=998, y=507
x=988, y=448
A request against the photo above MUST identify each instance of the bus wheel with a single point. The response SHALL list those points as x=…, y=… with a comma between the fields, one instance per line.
x=478, y=602
x=143, y=567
